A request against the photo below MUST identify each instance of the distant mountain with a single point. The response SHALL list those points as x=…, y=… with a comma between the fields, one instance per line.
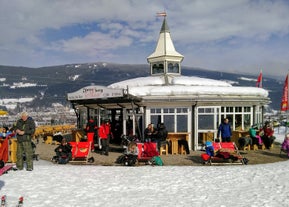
x=47, y=85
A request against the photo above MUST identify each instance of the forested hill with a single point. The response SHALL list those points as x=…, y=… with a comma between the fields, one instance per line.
x=49, y=85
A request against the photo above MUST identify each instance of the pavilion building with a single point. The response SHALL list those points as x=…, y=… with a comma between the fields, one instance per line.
x=190, y=107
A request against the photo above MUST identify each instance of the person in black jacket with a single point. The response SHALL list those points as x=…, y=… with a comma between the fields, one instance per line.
x=63, y=152
x=162, y=134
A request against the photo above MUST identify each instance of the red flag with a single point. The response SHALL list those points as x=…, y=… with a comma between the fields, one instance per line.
x=259, y=80
x=284, y=103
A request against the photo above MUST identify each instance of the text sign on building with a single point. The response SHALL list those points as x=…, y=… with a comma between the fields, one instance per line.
x=94, y=92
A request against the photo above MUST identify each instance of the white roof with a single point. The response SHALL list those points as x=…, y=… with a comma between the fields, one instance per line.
x=185, y=85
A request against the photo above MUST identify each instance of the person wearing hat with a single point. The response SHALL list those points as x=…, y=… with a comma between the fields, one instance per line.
x=25, y=128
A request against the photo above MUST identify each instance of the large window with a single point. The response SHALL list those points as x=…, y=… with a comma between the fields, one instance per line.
x=173, y=67
x=239, y=117
x=175, y=119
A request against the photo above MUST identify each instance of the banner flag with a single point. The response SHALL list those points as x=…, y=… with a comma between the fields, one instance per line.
x=284, y=103
x=259, y=80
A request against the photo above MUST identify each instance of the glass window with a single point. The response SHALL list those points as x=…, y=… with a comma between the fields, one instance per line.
x=182, y=121
x=229, y=109
x=247, y=121
x=238, y=122
x=206, y=121
x=201, y=110
x=170, y=67
x=182, y=110
x=169, y=122
x=154, y=69
x=154, y=120
x=247, y=109
x=161, y=68
x=238, y=109
x=176, y=68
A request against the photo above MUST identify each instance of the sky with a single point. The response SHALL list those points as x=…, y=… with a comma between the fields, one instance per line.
x=240, y=36
x=90, y=185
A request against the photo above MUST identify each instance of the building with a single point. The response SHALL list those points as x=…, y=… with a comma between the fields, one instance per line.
x=190, y=107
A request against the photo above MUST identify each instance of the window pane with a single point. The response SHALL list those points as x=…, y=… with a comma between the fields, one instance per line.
x=170, y=67
x=229, y=109
x=206, y=122
x=201, y=110
x=238, y=122
x=182, y=123
x=247, y=109
x=182, y=110
x=247, y=119
x=169, y=122
x=238, y=109
x=176, y=68
x=154, y=120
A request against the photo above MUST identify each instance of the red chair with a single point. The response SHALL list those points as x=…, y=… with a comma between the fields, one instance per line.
x=80, y=151
x=146, y=151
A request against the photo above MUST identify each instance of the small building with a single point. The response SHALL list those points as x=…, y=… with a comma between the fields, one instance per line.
x=190, y=107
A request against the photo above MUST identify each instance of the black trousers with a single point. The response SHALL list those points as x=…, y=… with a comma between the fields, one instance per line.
x=105, y=145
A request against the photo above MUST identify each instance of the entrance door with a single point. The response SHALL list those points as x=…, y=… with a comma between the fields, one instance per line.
x=207, y=119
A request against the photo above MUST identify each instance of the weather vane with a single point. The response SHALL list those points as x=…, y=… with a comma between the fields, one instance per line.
x=161, y=14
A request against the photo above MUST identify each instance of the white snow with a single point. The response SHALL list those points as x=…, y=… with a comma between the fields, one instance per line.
x=79, y=185
x=185, y=85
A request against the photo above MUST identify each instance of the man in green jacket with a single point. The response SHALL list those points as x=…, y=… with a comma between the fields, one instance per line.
x=25, y=128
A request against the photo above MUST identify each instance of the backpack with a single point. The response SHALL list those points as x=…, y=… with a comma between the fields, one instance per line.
x=157, y=160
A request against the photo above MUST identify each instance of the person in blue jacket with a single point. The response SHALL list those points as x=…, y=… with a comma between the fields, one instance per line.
x=224, y=131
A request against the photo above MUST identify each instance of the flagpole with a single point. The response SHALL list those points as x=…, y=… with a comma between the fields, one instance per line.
x=287, y=102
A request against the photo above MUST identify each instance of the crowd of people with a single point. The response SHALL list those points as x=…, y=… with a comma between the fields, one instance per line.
x=102, y=135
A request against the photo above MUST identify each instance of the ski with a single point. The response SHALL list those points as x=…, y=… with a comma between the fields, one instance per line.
x=3, y=201
x=20, y=202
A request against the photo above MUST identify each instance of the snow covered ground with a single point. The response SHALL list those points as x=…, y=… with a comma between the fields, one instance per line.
x=224, y=186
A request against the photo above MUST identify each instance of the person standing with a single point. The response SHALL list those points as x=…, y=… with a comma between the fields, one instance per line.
x=224, y=131
x=91, y=129
x=25, y=128
x=103, y=136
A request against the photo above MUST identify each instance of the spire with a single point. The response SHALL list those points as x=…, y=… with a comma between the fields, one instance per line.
x=165, y=27
x=165, y=59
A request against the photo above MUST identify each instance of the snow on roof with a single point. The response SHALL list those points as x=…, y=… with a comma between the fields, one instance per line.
x=184, y=85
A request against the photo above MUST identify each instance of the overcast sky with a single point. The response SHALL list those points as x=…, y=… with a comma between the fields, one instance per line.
x=225, y=35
